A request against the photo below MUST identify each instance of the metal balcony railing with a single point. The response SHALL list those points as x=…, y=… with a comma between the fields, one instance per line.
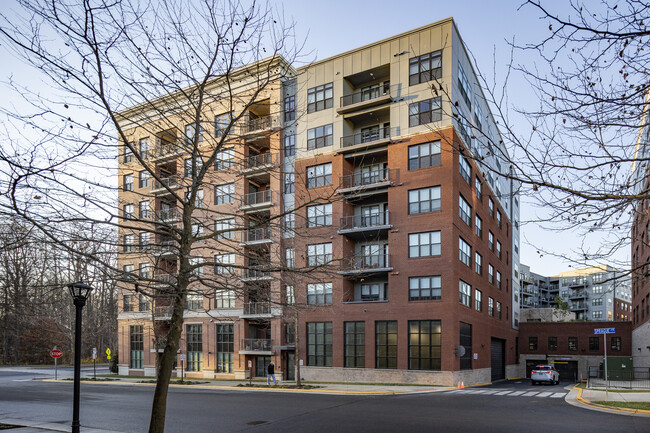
x=257, y=124
x=167, y=215
x=576, y=294
x=165, y=147
x=367, y=137
x=256, y=198
x=256, y=344
x=163, y=311
x=257, y=272
x=365, y=262
x=257, y=234
x=368, y=94
x=167, y=279
x=253, y=308
x=260, y=161
x=366, y=178
x=364, y=221
x=167, y=182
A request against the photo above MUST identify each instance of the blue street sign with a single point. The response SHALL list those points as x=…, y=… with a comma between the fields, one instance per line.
x=604, y=330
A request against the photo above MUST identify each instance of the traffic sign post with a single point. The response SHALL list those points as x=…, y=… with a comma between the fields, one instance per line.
x=94, y=366
x=182, y=372
x=605, y=331
x=56, y=354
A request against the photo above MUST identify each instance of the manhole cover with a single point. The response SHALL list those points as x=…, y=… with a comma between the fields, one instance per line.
x=256, y=422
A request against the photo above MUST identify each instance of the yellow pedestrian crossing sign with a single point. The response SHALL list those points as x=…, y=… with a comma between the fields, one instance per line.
x=108, y=353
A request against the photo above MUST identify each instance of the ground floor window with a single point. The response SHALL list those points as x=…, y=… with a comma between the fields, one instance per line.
x=424, y=344
x=225, y=348
x=319, y=344
x=136, y=335
x=194, y=347
x=466, y=342
x=355, y=344
x=386, y=344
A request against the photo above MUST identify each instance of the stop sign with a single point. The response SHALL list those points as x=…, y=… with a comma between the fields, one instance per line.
x=56, y=353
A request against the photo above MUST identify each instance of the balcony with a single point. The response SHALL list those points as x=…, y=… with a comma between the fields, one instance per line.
x=166, y=149
x=366, y=183
x=256, y=273
x=256, y=346
x=256, y=310
x=260, y=166
x=578, y=294
x=256, y=236
x=164, y=249
x=579, y=306
x=365, y=226
x=364, y=265
x=165, y=280
x=163, y=312
x=367, y=98
x=258, y=127
x=166, y=183
x=257, y=201
x=365, y=140
x=168, y=215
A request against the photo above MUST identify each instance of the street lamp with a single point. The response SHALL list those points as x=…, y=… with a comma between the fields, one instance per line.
x=79, y=292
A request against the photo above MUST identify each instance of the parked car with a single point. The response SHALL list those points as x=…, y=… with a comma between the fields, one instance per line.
x=545, y=373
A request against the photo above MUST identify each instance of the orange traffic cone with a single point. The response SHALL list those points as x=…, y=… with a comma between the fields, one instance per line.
x=462, y=385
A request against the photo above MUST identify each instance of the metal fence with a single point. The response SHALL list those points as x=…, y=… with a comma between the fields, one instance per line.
x=628, y=378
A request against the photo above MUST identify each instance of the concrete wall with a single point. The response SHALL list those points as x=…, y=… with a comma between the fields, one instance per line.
x=641, y=340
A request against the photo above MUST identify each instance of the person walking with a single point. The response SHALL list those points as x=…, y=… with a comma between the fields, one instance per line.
x=270, y=370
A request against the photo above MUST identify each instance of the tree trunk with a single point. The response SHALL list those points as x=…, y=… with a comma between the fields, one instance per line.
x=296, y=359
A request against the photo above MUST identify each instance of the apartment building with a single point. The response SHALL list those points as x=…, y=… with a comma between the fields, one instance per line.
x=372, y=209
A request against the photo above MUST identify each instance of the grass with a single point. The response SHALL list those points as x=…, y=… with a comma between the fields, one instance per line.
x=642, y=405
x=279, y=386
x=175, y=382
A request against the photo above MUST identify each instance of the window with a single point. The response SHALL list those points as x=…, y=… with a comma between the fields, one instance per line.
x=597, y=302
x=424, y=200
x=478, y=188
x=198, y=199
x=478, y=226
x=221, y=122
x=424, y=344
x=386, y=344
x=498, y=310
x=129, y=241
x=128, y=154
x=194, y=301
x=288, y=183
x=289, y=108
x=498, y=279
x=465, y=293
x=224, y=159
x=532, y=343
x=464, y=252
x=196, y=266
x=424, y=244
x=225, y=348
x=371, y=292
x=225, y=229
x=224, y=298
x=194, y=347
x=490, y=240
x=289, y=257
x=464, y=87
x=425, y=68
x=319, y=215
x=491, y=207
x=498, y=249
x=319, y=344
x=143, y=179
x=464, y=210
x=465, y=169
x=144, y=209
x=319, y=294
x=189, y=171
x=319, y=254
x=490, y=307
x=594, y=343
x=223, y=263
x=128, y=182
x=144, y=147
x=288, y=224
x=465, y=340
x=289, y=145
x=552, y=344
x=478, y=300
x=355, y=344
x=320, y=97
x=144, y=240
x=224, y=193
x=290, y=295
x=499, y=218
x=136, y=337
x=320, y=136
x=128, y=211
x=478, y=263
x=144, y=303
x=144, y=270
x=425, y=288
x=423, y=112
x=424, y=155
x=319, y=175
x=573, y=344
x=596, y=315
x=127, y=303
x=490, y=274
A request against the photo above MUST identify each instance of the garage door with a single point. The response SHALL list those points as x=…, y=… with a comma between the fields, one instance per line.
x=568, y=370
x=498, y=359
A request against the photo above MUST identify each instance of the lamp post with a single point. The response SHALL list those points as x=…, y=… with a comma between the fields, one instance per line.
x=79, y=292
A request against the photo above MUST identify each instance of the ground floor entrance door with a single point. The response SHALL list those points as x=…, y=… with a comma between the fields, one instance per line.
x=261, y=363
x=498, y=359
x=291, y=366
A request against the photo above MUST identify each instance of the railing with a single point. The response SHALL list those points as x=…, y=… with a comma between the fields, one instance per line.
x=256, y=344
x=166, y=279
x=252, y=308
x=368, y=94
x=167, y=182
x=261, y=160
x=163, y=311
x=578, y=294
x=365, y=262
x=257, y=124
x=364, y=221
x=628, y=378
x=365, y=178
x=164, y=247
x=368, y=136
x=166, y=215
x=257, y=234
x=166, y=147
x=255, y=272
x=578, y=306
x=259, y=197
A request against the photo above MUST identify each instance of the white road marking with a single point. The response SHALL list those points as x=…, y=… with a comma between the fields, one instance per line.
x=489, y=392
x=503, y=393
x=543, y=394
x=516, y=393
x=559, y=394
x=530, y=394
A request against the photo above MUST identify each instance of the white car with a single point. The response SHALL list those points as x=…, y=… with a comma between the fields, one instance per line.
x=544, y=373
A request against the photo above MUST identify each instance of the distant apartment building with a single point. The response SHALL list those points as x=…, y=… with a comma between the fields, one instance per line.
x=386, y=170
x=598, y=293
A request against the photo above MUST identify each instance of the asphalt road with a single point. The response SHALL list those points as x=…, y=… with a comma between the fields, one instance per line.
x=126, y=408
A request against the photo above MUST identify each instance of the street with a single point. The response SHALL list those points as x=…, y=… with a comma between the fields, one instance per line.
x=504, y=407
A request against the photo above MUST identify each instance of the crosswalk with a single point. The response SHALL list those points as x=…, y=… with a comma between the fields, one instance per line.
x=509, y=393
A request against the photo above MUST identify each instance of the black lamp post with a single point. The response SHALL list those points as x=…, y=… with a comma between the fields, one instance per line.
x=80, y=292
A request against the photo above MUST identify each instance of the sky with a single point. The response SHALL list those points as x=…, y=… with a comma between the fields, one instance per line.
x=334, y=26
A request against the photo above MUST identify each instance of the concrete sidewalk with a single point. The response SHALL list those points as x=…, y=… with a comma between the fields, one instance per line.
x=586, y=398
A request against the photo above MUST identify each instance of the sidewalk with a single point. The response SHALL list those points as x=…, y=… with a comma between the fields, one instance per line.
x=585, y=398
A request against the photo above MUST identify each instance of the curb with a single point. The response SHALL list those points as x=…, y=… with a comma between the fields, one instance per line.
x=620, y=410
